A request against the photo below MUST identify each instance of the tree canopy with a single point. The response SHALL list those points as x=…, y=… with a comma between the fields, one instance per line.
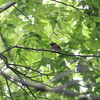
x=30, y=69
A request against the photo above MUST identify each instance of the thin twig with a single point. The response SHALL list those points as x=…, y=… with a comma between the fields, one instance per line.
x=65, y=4
x=9, y=88
x=31, y=92
x=26, y=67
x=21, y=12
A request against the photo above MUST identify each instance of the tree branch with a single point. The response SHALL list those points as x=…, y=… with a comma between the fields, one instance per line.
x=7, y=6
x=67, y=54
x=41, y=87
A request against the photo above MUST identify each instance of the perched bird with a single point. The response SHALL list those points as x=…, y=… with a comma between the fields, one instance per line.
x=55, y=47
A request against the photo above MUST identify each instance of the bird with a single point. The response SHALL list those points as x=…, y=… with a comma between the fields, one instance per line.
x=55, y=47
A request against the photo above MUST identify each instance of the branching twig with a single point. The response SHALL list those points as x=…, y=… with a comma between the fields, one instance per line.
x=41, y=87
x=6, y=63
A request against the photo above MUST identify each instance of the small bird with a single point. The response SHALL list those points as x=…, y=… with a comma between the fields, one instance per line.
x=55, y=47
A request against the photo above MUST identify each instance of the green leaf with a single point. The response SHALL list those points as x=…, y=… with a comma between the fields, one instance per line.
x=93, y=24
x=59, y=25
x=96, y=19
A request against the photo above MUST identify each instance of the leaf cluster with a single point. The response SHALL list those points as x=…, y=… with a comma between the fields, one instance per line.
x=30, y=69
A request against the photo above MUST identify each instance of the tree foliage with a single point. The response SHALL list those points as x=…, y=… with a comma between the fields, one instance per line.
x=29, y=69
